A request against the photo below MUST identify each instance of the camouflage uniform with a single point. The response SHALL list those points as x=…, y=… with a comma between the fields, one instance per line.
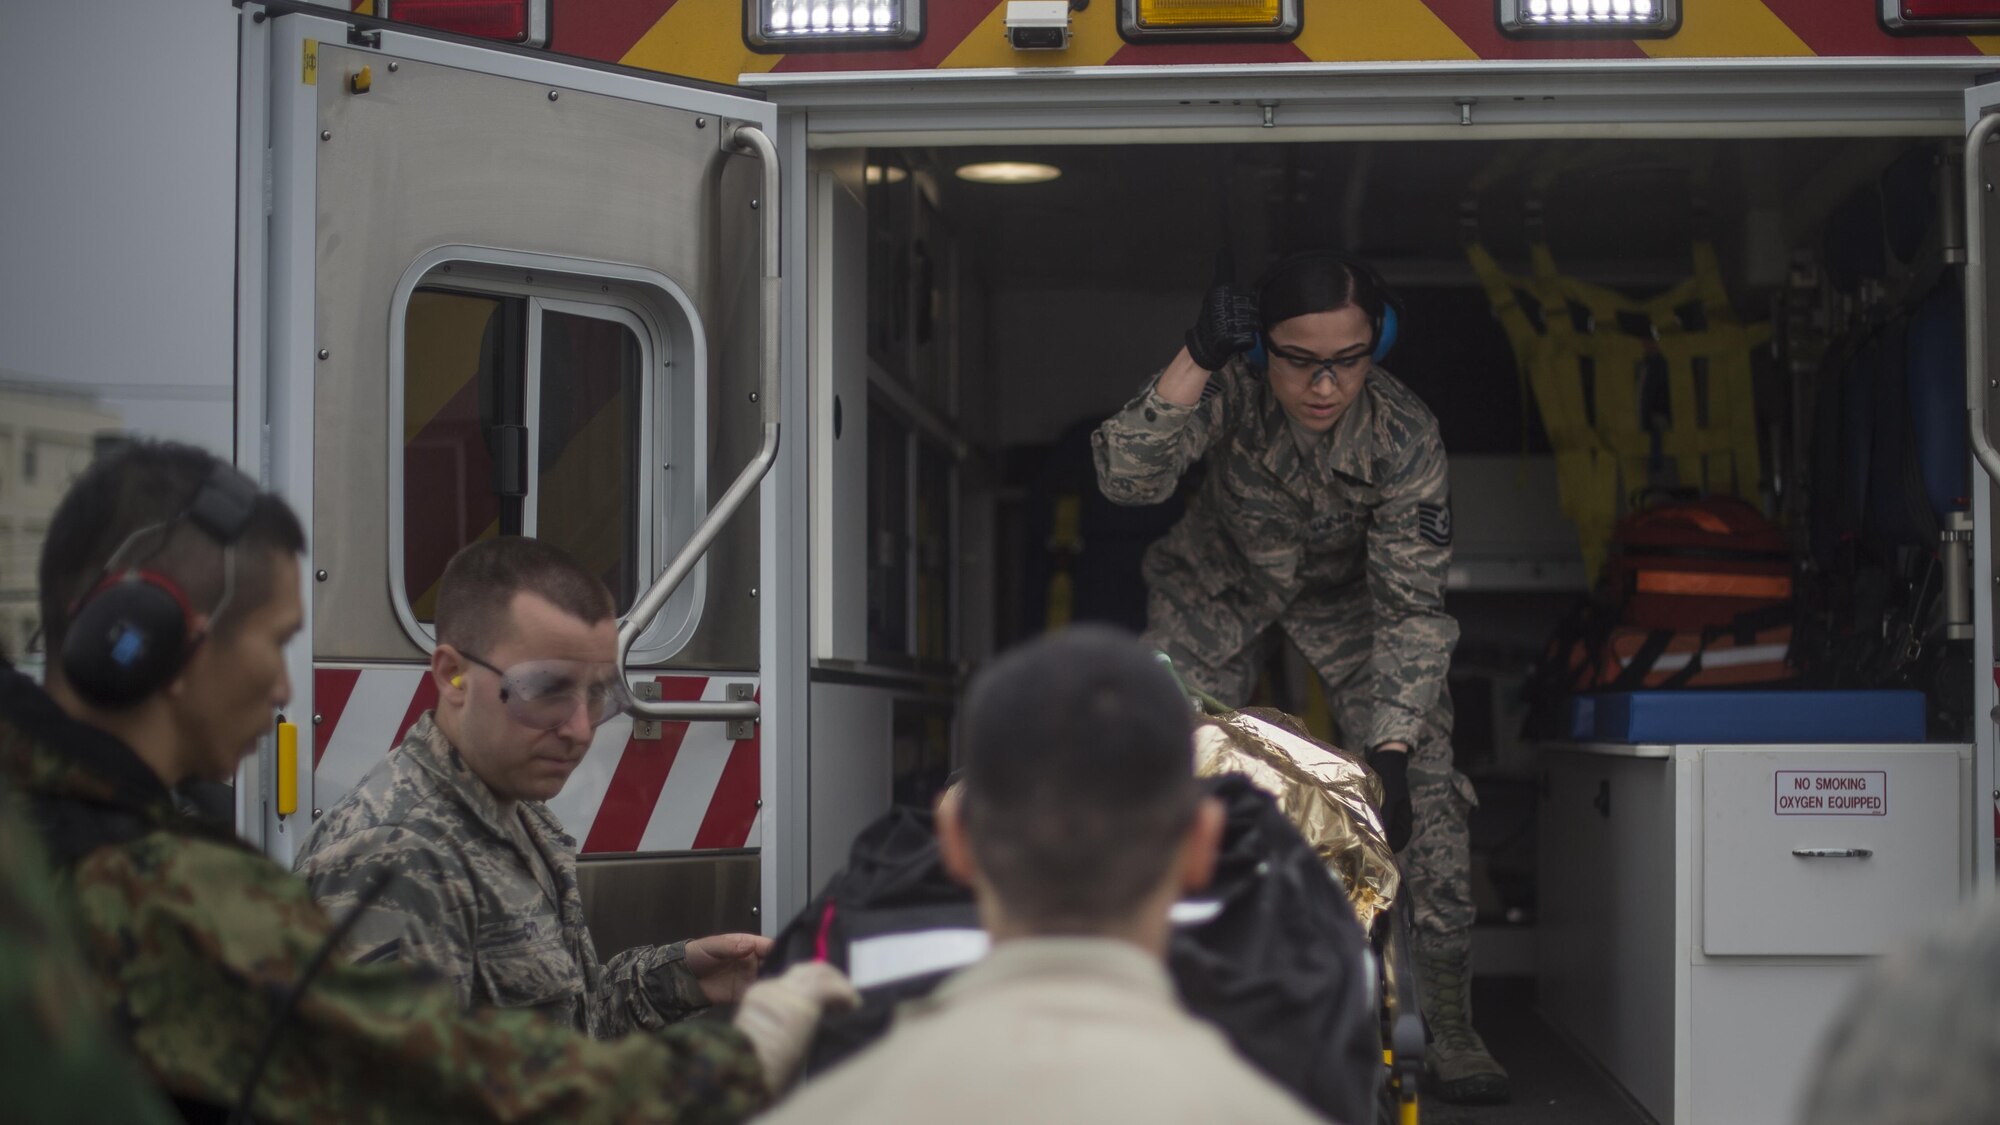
x=58, y=1063
x=194, y=938
x=468, y=900
x=1345, y=550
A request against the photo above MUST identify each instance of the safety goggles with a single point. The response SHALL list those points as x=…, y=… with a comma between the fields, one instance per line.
x=1315, y=366
x=543, y=694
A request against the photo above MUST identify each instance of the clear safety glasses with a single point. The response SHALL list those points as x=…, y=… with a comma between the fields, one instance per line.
x=543, y=694
x=1312, y=367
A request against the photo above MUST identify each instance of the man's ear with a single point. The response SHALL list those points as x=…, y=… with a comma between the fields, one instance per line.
x=195, y=645
x=953, y=847
x=1201, y=845
x=448, y=668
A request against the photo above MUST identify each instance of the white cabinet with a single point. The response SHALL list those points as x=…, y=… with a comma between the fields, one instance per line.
x=1705, y=909
x=1832, y=855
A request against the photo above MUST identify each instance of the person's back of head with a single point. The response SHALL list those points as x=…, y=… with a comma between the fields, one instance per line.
x=169, y=580
x=1079, y=810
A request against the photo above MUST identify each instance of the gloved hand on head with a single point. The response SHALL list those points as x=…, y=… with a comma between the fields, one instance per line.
x=1227, y=326
x=780, y=1015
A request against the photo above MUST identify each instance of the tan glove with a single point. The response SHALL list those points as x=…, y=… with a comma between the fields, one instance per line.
x=779, y=1016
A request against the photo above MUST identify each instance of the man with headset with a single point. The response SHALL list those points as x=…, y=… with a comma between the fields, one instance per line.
x=169, y=588
x=1326, y=513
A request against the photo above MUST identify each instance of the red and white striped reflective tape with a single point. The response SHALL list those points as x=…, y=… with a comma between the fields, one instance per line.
x=690, y=789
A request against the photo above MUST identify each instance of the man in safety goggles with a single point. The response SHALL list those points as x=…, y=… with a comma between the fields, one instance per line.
x=485, y=887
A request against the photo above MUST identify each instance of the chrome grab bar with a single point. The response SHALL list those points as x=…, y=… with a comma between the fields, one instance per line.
x=753, y=141
x=1975, y=294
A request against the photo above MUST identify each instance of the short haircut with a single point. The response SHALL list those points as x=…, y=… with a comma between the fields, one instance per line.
x=1919, y=1040
x=142, y=484
x=1078, y=760
x=1319, y=281
x=477, y=591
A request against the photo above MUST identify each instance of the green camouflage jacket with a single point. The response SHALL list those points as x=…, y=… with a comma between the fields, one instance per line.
x=58, y=1062
x=194, y=940
x=1367, y=516
x=466, y=900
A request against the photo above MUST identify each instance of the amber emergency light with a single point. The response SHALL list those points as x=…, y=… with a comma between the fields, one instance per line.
x=1143, y=21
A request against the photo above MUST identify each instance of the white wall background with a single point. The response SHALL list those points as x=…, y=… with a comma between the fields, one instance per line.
x=117, y=208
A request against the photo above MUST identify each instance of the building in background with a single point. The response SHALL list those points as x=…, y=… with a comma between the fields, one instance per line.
x=47, y=437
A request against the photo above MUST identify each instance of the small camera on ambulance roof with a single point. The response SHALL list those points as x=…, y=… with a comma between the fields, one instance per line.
x=1038, y=25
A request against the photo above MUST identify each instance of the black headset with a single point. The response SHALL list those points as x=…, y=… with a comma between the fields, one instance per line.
x=133, y=631
x=1386, y=326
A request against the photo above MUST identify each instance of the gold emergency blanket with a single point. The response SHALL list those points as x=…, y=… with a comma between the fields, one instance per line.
x=1331, y=797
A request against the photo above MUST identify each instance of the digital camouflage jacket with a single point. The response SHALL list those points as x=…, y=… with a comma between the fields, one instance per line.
x=194, y=940
x=58, y=1061
x=1363, y=522
x=467, y=902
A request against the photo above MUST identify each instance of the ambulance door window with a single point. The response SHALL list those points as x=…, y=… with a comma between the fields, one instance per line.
x=588, y=441
x=524, y=415
x=463, y=388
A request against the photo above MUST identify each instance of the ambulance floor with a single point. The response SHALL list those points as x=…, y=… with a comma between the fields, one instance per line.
x=1553, y=1085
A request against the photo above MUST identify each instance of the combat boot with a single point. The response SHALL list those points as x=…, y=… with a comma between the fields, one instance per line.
x=1459, y=1067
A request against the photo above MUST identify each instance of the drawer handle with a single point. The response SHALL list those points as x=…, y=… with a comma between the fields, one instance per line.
x=1832, y=853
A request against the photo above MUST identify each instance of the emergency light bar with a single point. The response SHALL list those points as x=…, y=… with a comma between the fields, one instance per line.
x=807, y=25
x=1957, y=17
x=508, y=21
x=1147, y=21
x=1621, y=19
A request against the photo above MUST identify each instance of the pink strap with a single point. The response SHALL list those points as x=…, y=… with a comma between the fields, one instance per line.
x=825, y=925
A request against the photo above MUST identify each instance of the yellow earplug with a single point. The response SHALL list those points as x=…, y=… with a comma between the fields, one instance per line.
x=458, y=681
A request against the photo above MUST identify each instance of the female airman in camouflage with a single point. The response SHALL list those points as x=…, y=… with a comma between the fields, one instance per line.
x=1325, y=512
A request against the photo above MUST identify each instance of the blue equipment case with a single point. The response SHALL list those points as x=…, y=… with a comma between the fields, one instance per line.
x=1756, y=716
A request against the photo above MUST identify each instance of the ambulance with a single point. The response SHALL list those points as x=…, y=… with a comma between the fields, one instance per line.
x=786, y=316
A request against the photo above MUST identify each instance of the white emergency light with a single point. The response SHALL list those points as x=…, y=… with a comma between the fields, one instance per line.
x=1157, y=21
x=1621, y=19
x=807, y=25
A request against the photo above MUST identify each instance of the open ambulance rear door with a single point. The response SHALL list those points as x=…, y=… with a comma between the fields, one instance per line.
x=1982, y=377
x=486, y=291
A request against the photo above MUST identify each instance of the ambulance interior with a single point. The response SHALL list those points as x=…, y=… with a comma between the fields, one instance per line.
x=1004, y=321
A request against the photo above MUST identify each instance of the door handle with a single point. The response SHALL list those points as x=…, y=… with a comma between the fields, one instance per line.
x=1975, y=294
x=1833, y=853
x=753, y=141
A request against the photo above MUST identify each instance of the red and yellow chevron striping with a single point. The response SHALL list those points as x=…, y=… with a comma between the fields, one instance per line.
x=703, y=38
x=691, y=788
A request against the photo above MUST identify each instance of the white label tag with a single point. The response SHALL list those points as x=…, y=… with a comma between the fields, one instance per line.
x=1831, y=793
x=876, y=961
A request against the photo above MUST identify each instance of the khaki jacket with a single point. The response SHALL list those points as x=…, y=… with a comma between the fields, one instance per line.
x=1048, y=1030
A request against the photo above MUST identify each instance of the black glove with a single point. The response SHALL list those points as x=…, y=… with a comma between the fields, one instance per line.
x=1393, y=767
x=1226, y=327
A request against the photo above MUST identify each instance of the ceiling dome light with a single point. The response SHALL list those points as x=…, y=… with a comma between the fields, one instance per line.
x=1009, y=172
